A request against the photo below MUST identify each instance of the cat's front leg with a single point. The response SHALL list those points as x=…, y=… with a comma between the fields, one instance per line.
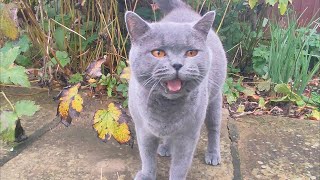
x=213, y=124
x=182, y=150
x=148, y=144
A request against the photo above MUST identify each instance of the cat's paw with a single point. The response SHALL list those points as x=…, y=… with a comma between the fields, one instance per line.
x=164, y=150
x=213, y=158
x=140, y=176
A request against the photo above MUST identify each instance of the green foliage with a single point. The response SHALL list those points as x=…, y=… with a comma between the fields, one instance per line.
x=9, y=72
x=76, y=78
x=26, y=108
x=283, y=4
x=288, y=56
x=231, y=90
x=288, y=95
x=63, y=58
x=8, y=119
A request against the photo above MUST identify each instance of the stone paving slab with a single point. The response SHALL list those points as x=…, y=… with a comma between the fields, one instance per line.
x=75, y=152
x=279, y=148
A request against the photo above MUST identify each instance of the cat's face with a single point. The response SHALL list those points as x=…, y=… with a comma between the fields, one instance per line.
x=169, y=58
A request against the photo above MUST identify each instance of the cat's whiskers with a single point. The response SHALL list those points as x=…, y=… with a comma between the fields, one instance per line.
x=152, y=89
x=150, y=79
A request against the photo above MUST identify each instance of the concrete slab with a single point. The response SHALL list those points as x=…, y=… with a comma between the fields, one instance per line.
x=279, y=148
x=76, y=153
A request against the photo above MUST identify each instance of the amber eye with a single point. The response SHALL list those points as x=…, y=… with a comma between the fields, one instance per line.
x=158, y=53
x=191, y=53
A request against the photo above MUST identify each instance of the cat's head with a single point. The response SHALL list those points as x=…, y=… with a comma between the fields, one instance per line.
x=167, y=57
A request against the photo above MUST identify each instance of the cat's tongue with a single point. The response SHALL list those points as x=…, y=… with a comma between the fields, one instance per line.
x=174, y=85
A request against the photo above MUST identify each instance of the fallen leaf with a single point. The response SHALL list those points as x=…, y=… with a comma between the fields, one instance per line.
x=94, y=68
x=70, y=105
x=126, y=73
x=108, y=123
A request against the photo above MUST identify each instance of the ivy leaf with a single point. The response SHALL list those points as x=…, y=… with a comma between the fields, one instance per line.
x=252, y=3
x=108, y=123
x=26, y=108
x=70, y=105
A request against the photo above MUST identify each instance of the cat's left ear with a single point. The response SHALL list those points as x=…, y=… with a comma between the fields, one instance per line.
x=205, y=23
x=136, y=26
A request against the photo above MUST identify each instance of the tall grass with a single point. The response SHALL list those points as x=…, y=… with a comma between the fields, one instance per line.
x=290, y=54
x=86, y=31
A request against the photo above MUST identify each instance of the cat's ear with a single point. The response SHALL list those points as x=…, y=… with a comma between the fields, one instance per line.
x=205, y=23
x=136, y=26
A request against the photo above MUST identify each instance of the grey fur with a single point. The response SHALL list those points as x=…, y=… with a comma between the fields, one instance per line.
x=175, y=118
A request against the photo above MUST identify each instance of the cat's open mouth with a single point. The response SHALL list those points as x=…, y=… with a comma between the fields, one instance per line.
x=173, y=86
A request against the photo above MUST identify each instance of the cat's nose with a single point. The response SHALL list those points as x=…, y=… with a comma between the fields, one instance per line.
x=177, y=66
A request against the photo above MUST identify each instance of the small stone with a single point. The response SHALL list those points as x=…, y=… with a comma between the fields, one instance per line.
x=260, y=162
x=264, y=167
x=298, y=135
x=11, y=149
x=274, y=150
x=313, y=177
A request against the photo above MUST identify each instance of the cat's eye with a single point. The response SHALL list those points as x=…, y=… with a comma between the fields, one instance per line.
x=158, y=53
x=191, y=53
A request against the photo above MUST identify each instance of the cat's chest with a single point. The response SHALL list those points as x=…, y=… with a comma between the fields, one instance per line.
x=166, y=119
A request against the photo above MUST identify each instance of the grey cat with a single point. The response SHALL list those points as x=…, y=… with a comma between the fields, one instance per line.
x=178, y=69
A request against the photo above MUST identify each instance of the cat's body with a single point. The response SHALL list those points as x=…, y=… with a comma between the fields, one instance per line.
x=172, y=92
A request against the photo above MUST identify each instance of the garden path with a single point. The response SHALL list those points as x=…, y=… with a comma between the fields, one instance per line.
x=252, y=148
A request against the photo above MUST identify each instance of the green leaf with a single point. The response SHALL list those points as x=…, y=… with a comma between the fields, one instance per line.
x=24, y=43
x=76, y=78
x=4, y=76
x=18, y=76
x=63, y=58
x=23, y=61
x=282, y=88
x=26, y=108
x=7, y=58
x=59, y=35
x=252, y=3
x=8, y=120
x=283, y=6
x=272, y=2
x=264, y=85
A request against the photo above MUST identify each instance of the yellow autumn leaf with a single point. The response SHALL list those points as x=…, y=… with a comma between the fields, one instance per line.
x=122, y=133
x=252, y=3
x=106, y=123
x=114, y=111
x=126, y=73
x=77, y=103
x=8, y=27
x=283, y=7
x=63, y=109
x=71, y=104
x=91, y=81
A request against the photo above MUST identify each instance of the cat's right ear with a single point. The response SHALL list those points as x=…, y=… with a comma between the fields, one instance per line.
x=136, y=26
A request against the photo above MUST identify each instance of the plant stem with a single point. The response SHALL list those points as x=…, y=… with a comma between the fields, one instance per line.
x=4, y=95
x=224, y=14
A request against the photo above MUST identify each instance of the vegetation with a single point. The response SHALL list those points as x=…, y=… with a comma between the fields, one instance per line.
x=85, y=43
